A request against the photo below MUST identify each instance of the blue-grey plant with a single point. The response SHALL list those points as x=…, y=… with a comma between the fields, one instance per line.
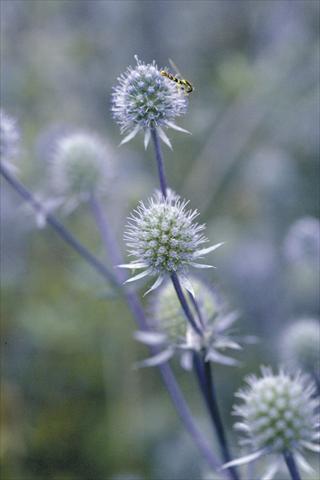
x=9, y=141
x=132, y=300
x=278, y=418
x=171, y=333
x=162, y=235
x=164, y=239
x=144, y=100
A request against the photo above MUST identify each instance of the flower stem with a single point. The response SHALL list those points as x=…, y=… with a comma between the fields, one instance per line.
x=291, y=464
x=57, y=226
x=112, y=252
x=204, y=377
x=134, y=304
x=216, y=418
x=160, y=162
x=184, y=303
x=164, y=187
x=202, y=369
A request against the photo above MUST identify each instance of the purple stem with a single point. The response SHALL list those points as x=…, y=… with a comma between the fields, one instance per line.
x=160, y=162
x=57, y=226
x=184, y=303
x=291, y=464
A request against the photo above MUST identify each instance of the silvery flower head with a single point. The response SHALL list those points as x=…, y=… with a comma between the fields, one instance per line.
x=164, y=239
x=9, y=140
x=302, y=243
x=300, y=345
x=278, y=415
x=145, y=100
x=80, y=168
x=170, y=331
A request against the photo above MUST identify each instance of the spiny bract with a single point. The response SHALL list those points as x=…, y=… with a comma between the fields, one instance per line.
x=170, y=330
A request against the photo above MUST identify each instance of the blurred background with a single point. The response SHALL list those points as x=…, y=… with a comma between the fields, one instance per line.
x=72, y=406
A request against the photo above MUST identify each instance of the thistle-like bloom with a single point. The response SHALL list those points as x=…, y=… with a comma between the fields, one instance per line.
x=164, y=239
x=300, y=345
x=145, y=100
x=278, y=416
x=9, y=140
x=80, y=168
x=170, y=331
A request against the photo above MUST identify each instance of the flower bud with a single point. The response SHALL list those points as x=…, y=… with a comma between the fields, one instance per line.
x=80, y=167
x=300, y=345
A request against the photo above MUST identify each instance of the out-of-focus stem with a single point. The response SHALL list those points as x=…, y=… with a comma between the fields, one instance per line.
x=57, y=226
x=291, y=464
x=184, y=303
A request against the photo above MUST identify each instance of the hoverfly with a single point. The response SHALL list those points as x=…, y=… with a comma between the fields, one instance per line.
x=184, y=84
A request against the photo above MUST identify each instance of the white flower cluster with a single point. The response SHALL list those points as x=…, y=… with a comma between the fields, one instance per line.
x=144, y=99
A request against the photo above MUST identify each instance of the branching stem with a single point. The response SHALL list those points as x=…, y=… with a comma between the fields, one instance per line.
x=132, y=300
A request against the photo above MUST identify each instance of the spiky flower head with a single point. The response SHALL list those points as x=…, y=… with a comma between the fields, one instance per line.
x=170, y=330
x=300, y=345
x=145, y=100
x=9, y=140
x=278, y=415
x=164, y=239
x=80, y=167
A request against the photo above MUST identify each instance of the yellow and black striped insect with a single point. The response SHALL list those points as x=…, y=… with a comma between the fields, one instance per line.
x=184, y=84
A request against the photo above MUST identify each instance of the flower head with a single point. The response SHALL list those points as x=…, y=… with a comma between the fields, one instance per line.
x=9, y=139
x=300, y=345
x=164, y=239
x=278, y=415
x=171, y=332
x=80, y=167
x=302, y=243
x=145, y=100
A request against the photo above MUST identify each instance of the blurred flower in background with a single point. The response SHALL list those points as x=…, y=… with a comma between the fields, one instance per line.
x=81, y=168
x=9, y=141
x=302, y=243
x=300, y=345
